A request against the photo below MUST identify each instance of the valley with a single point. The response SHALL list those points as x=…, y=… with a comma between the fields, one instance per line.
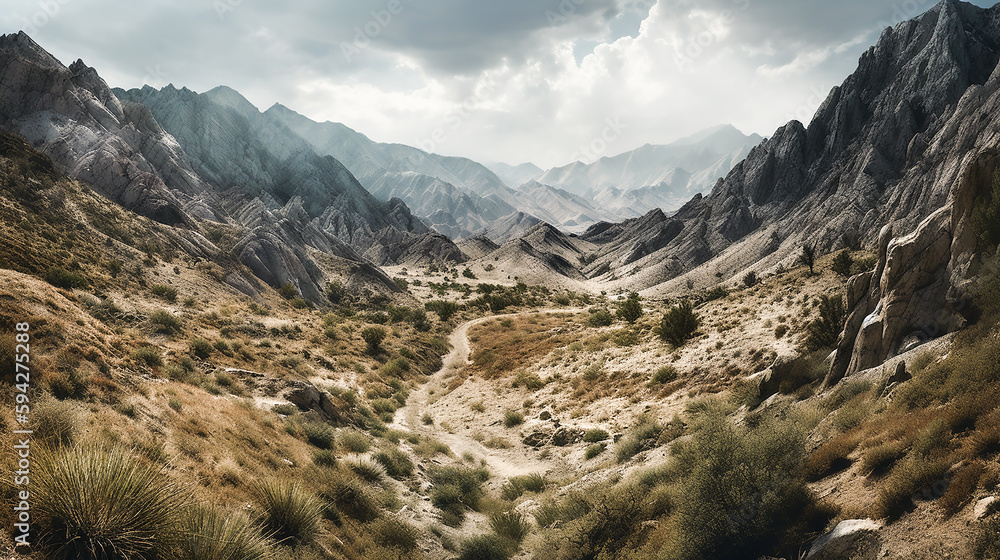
x=254, y=336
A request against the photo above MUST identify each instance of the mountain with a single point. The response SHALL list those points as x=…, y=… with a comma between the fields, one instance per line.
x=558, y=206
x=885, y=147
x=515, y=175
x=680, y=169
x=208, y=165
x=446, y=208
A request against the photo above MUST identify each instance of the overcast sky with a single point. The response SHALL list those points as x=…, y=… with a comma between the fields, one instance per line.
x=547, y=81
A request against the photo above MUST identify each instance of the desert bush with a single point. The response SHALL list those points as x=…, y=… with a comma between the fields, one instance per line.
x=750, y=279
x=319, y=435
x=961, y=488
x=986, y=543
x=397, y=464
x=148, y=355
x=288, y=291
x=214, y=535
x=529, y=381
x=168, y=293
x=344, y=492
x=419, y=320
x=842, y=263
x=780, y=331
x=393, y=534
x=595, y=435
x=594, y=450
x=444, y=309
x=600, y=318
x=396, y=367
x=55, y=422
x=879, y=459
x=830, y=457
x=630, y=310
x=324, y=458
x=164, y=322
x=665, y=374
x=510, y=525
x=290, y=512
x=373, y=337
x=285, y=409
x=65, y=279
x=823, y=332
x=354, y=442
x=485, y=547
x=455, y=489
x=512, y=418
x=91, y=502
x=679, y=324
x=908, y=477
x=201, y=348
x=739, y=490
x=367, y=469
x=643, y=435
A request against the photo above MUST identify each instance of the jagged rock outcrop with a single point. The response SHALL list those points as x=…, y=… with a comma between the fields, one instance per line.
x=884, y=147
x=853, y=538
x=918, y=289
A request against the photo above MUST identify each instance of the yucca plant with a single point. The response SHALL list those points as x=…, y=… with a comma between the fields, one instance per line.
x=212, y=535
x=291, y=513
x=102, y=504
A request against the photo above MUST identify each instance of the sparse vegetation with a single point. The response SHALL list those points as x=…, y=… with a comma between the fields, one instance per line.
x=290, y=512
x=373, y=337
x=823, y=332
x=630, y=310
x=679, y=324
x=843, y=262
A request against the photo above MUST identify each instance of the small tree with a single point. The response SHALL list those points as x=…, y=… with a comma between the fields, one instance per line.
x=444, y=309
x=373, y=337
x=808, y=257
x=631, y=309
x=679, y=324
x=824, y=332
x=750, y=279
x=842, y=263
x=334, y=291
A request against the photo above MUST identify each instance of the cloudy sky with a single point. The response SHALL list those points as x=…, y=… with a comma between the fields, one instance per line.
x=547, y=81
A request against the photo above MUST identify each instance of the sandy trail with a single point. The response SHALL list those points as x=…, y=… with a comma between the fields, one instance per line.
x=504, y=462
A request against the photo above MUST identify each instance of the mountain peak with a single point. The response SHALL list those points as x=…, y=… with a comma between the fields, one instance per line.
x=229, y=97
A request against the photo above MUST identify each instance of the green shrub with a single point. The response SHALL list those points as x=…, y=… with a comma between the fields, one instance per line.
x=512, y=418
x=455, y=489
x=485, y=547
x=148, y=355
x=396, y=367
x=594, y=450
x=99, y=503
x=368, y=470
x=285, y=409
x=679, y=324
x=595, y=435
x=373, y=337
x=201, y=348
x=510, y=525
x=66, y=280
x=908, y=477
x=354, y=442
x=630, y=310
x=290, y=512
x=393, y=534
x=164, y=322
x=288, y=291
x=320, y=435
x=600, y=318
x=842, y=263
x=397, y=464
x=665, y=374
x=168, y=293
x=54, y=422
x=214, y=535
x=324, y=458
x=643, y=435
x=879, y=459
x=823, y=332
x=419, y=320
x=750, y=279
x=444, y=309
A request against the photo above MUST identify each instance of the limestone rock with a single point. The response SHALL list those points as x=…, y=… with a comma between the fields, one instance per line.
x=567, y=436
x=986, y=507
x=537, y=439
x=853, y=538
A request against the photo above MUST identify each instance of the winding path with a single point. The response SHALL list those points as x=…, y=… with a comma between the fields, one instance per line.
x=505, y=462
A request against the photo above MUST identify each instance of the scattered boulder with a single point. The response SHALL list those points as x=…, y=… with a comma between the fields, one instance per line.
x=308, y=398
x=567, y=436
x=986, y=507
x=545, y=415
x=783, y=369
x=537, y=439
x=853, y=538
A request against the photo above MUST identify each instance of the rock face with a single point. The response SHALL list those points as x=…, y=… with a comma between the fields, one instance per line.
x=853, y=538
x=918, y=290
x=884, y=148
x=218, y=163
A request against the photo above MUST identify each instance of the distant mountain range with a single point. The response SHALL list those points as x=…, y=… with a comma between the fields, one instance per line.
x=457, y=196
